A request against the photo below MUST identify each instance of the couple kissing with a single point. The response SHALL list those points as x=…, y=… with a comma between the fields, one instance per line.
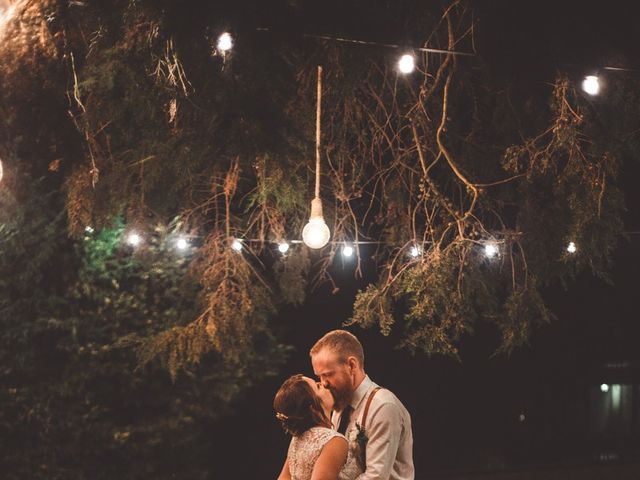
x=343, y=426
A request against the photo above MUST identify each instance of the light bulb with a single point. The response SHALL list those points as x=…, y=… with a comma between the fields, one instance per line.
x=347, y=251
x=604, y=388
x=571, y=248
x=316, y=234
x=283, y=247
x=591, y=84
x=407, y=63
x=415, y=251
x=225, y=42
x=236, y=245
x=182, y=243
x=88, y=229
x=490, y=250
x=134, y=239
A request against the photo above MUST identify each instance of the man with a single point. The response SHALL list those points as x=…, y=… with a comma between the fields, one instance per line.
x=375, y=422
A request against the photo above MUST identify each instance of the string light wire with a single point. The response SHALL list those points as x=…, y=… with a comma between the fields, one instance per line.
x=376, y=44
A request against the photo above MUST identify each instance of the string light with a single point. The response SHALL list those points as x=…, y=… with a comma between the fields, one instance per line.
x=591, y=84
x=415, y=251
x=347, y=251
x=88, y=229
x=134, y=239
x=225, y=42
x=182, y=243
x=407, y=63
x=571, y=248
x=491, y=250
x=283, y=247
x=236, y=245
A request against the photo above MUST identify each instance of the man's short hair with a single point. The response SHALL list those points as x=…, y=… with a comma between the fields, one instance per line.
x=344, y=344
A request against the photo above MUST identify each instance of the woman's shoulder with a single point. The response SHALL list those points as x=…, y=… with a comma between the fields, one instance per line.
x=321, y=434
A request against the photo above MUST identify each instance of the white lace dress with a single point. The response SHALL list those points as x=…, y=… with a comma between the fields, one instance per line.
x=305, y=450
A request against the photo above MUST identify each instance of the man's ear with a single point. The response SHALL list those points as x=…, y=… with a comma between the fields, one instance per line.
x=353, y=362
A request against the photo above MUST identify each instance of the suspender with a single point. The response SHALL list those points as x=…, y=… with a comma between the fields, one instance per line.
x=366, y=407
x=362, y=424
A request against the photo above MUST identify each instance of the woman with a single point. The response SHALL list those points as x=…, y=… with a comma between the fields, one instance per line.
x=316, y=452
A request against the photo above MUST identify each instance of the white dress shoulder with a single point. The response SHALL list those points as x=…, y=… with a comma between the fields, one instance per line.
x=305, y=450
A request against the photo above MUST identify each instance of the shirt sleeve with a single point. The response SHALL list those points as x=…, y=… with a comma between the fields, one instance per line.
x=384, y=434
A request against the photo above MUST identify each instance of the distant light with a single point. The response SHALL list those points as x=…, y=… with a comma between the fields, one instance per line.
x=491, y=250
x=182, y=243
x=415, y=251
x=571, y=248
x=88, y=229
x=225, y=42
x=407, y=63
x=6, y=13
x=283, y=247
x=591, y=84
x=522, y=417
x=134, y=239
x=604, y=388
x=237, y=245
x=347, y=251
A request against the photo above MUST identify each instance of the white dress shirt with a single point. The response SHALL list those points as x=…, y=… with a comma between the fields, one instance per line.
x=389, y=449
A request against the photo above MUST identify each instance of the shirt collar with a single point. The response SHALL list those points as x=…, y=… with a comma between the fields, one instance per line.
x=361, y=392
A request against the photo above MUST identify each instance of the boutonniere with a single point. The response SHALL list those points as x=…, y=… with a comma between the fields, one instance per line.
x=361, y=436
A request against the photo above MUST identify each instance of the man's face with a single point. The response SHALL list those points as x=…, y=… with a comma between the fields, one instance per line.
x=335, y=375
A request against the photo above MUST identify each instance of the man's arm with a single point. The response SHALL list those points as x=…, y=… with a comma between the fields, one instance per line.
x=384, y=433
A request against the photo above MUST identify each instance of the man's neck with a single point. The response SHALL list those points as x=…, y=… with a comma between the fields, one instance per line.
x=358, y=379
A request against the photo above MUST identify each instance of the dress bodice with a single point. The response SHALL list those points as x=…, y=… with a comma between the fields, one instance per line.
x=305, y=449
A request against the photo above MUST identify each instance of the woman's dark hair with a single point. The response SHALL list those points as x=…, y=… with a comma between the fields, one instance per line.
x=298, y=407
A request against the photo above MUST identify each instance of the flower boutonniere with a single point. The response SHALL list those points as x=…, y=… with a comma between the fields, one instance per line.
x=361, y=436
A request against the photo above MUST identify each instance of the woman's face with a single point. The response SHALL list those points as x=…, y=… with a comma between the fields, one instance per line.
x=324, y=394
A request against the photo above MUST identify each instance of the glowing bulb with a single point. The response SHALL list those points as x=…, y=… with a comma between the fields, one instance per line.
x=407, y=63
x=347, y=251
x=604, y=388
x=591, y=85
x=571, y=248
x=490, y=250
x=134, y=239
x=236, y=245
x=415, y=251
x=316, y=234
x=283, y=247
x=6, y=13
x=225, y=42
x=88, y=229
x=182, y=243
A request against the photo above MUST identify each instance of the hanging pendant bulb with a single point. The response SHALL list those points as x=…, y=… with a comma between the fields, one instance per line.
x=316, y=234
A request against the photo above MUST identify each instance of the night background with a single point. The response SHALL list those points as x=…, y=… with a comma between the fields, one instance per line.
x=159, y=356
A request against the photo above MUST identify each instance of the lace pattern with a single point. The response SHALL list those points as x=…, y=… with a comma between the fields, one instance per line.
x=305, y=450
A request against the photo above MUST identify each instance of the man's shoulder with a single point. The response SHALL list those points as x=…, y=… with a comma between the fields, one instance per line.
x=383, y=394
